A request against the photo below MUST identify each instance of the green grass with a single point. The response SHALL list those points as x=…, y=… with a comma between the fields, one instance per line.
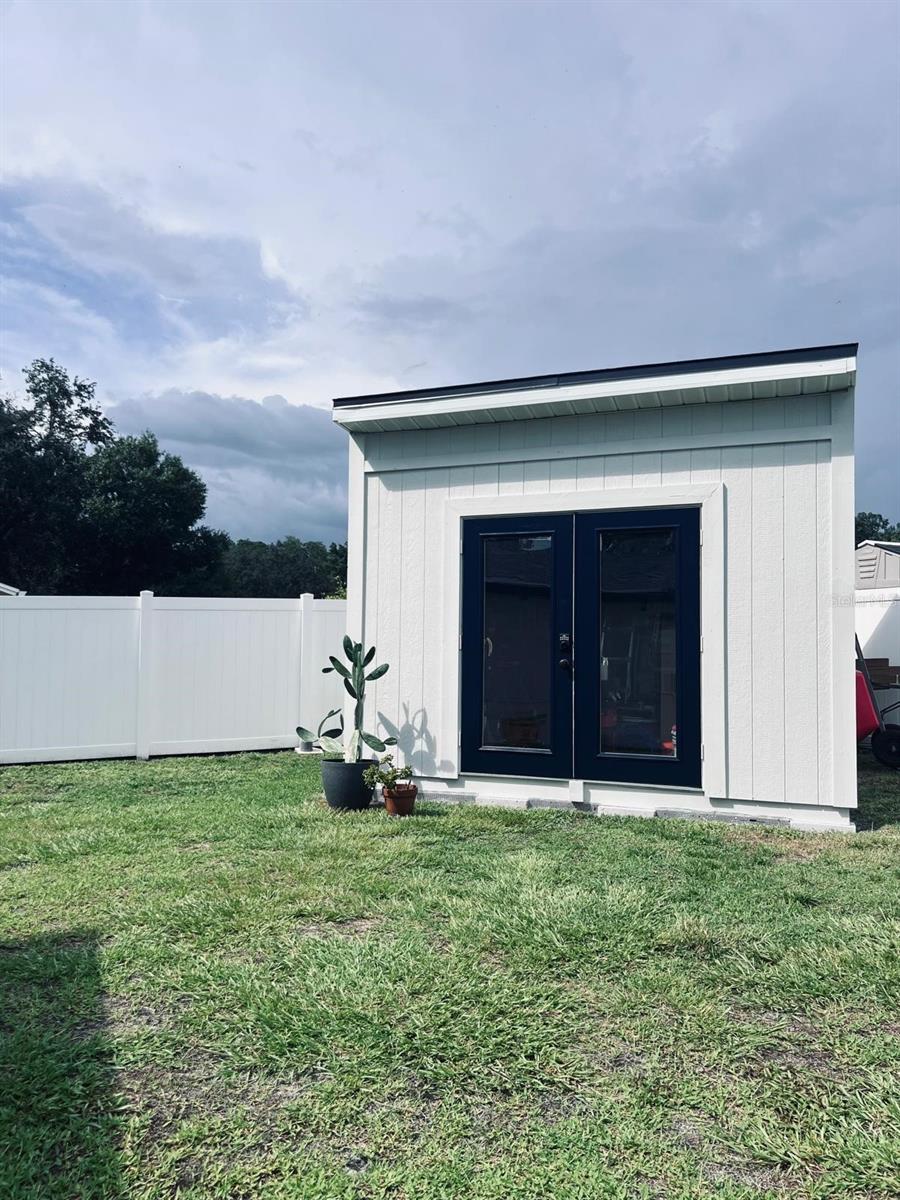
x=212, y=986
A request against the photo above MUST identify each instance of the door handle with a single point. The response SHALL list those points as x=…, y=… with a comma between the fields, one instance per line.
x=566, y=664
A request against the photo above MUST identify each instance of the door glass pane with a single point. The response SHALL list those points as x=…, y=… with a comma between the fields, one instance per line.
x=518, y=634
x=637, y=642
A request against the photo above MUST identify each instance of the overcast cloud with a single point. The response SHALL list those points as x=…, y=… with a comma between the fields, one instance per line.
x=229, y=213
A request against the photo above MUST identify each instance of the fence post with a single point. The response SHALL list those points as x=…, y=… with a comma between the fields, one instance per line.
x=306, y=650
x=145, y=675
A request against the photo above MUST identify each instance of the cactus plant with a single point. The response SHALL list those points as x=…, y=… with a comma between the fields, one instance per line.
x=355, y=680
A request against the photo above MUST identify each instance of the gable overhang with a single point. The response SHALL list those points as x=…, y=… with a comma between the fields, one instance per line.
x=787, y=373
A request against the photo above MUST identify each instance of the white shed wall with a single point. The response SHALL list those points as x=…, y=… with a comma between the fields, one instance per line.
x=787, y=670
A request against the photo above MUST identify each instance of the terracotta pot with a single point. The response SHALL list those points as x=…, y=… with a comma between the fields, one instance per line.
x=400, y=801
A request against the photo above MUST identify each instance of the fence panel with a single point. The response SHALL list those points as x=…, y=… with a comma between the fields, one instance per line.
x=326, y=621
x=101, y=677
x=68, y=677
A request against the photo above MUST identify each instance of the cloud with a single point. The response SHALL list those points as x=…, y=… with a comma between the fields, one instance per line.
x=150, y=282
x=446, y=193
x=271, y=468
x=399, y=314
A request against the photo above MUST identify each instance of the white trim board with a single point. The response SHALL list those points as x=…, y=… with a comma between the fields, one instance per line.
x=710, y=498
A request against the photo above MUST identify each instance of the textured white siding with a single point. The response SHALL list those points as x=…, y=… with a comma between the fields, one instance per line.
x=777, y=562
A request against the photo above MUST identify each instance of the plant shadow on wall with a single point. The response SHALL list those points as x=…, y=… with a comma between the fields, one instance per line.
x=415, y=741
x=59, y=1133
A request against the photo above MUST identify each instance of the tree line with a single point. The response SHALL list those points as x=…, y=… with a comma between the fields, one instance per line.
x=85, y=511
x=873, y=527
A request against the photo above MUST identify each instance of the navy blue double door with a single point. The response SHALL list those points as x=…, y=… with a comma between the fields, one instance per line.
x=581, y=646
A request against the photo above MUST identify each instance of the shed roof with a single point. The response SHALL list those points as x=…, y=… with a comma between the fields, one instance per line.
x=796, y=372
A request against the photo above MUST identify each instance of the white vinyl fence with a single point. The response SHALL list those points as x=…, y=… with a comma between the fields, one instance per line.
x=124, y=677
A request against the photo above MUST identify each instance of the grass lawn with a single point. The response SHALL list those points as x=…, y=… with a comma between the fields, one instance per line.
x=212, y=986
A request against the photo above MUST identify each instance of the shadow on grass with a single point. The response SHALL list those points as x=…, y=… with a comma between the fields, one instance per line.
x=58, y=1131
x=879, y=793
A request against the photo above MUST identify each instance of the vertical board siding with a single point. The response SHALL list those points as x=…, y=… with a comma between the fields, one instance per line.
x=371, y=583
x=425, y=758
x=767, y=598
x=511, y=479
x=392, y=559
x=536, y=480
x=591, y=473
x=217, y=674
x=777, y=557
x=595, y=429
x=736, y=475
x=800, y=640
x=412, y=616
x=824, y=602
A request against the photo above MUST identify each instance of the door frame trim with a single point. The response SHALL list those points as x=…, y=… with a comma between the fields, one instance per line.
x=710, y=498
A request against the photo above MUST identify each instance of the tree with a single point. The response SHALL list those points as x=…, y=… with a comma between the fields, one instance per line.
x=337, y=561
x=45, y=442
x=288, y=567
x=873, y=527
x=63, y=412
x=139, y=526
x=84, y=511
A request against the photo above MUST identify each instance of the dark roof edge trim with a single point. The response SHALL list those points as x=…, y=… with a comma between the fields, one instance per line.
x=688, y=366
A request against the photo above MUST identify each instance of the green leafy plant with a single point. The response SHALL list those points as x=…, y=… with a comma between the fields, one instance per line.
x=385, y=773
x=355, y=680
x=307, y=735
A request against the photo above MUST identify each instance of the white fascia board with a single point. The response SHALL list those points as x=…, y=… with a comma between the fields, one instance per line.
x=466, y=406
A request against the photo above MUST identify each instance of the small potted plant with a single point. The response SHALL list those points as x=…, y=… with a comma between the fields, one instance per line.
x=309, y=741
x=399, y=794
x=343, y=767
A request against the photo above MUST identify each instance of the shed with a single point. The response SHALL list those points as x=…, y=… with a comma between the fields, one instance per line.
x=878, y=612
x=878, y=565
x=628, y=591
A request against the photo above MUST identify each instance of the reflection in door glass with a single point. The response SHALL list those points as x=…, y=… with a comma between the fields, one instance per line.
x=637, y=642
x=518, y=633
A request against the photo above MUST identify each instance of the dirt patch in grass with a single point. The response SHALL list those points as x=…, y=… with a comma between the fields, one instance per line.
x=354, y=927
x=796, y=1047
x=120, y=1018
x=698, y=1133
x=167, y=1097
x=798, y=1059
x=795, y=846
x=752, y=1175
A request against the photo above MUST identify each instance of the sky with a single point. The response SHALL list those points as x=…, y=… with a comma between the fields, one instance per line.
x=228, y=213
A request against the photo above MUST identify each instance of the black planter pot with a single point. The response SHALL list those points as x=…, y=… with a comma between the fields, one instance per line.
x=344, y=784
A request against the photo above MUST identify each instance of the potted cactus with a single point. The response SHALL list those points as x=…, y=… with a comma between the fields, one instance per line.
x=399, y=794
x=343, y=768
